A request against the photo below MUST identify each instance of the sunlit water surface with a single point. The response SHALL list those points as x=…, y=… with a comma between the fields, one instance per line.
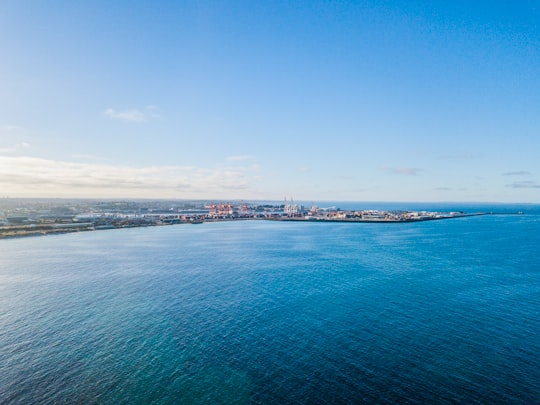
x=266, y=312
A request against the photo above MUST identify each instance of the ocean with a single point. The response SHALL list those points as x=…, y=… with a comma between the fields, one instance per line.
x=262, y=312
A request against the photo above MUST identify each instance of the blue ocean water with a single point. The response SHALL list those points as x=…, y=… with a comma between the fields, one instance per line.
x=267, y=312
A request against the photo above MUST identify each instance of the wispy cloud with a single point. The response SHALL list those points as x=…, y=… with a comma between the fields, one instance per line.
x=12, y=135
x=240, y=158
x=518, y=173
x=152, y=111
x=30, y=176
x=133, y=115
x=126, y=115
x=11, y=129
x=15, y=148
x=524, y=184
x=406, y=171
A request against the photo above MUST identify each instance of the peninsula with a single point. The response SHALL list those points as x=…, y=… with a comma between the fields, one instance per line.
x=25, y=217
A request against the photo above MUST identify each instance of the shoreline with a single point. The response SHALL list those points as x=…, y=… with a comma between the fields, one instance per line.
x=383, y=221
x=23, y=231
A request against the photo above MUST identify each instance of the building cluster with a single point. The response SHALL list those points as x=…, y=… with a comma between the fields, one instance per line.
x=28, y=217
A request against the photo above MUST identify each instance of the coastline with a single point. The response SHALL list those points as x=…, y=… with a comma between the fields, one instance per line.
x=383, y=221
x=21, y=231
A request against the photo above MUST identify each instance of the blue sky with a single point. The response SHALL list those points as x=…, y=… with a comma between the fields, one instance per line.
x=359, y=101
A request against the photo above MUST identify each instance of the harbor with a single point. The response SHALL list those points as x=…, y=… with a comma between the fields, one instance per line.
x=37, y=217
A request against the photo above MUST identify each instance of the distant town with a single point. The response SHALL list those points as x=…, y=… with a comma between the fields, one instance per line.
x=32, y=217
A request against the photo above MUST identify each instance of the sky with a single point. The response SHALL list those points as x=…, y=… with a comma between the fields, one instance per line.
x=257, y=100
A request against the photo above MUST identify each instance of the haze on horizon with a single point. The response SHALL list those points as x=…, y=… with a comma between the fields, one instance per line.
x=358, y=101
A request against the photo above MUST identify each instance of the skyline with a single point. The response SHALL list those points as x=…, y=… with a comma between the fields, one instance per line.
x=371, y=101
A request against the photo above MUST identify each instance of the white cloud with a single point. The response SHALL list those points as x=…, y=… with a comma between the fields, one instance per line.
x=240, y=158
x=15, y=148
x=30, y=176
x=126, y=115
x=133, y=114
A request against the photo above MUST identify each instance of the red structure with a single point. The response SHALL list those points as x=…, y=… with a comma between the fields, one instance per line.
x=220, y=210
